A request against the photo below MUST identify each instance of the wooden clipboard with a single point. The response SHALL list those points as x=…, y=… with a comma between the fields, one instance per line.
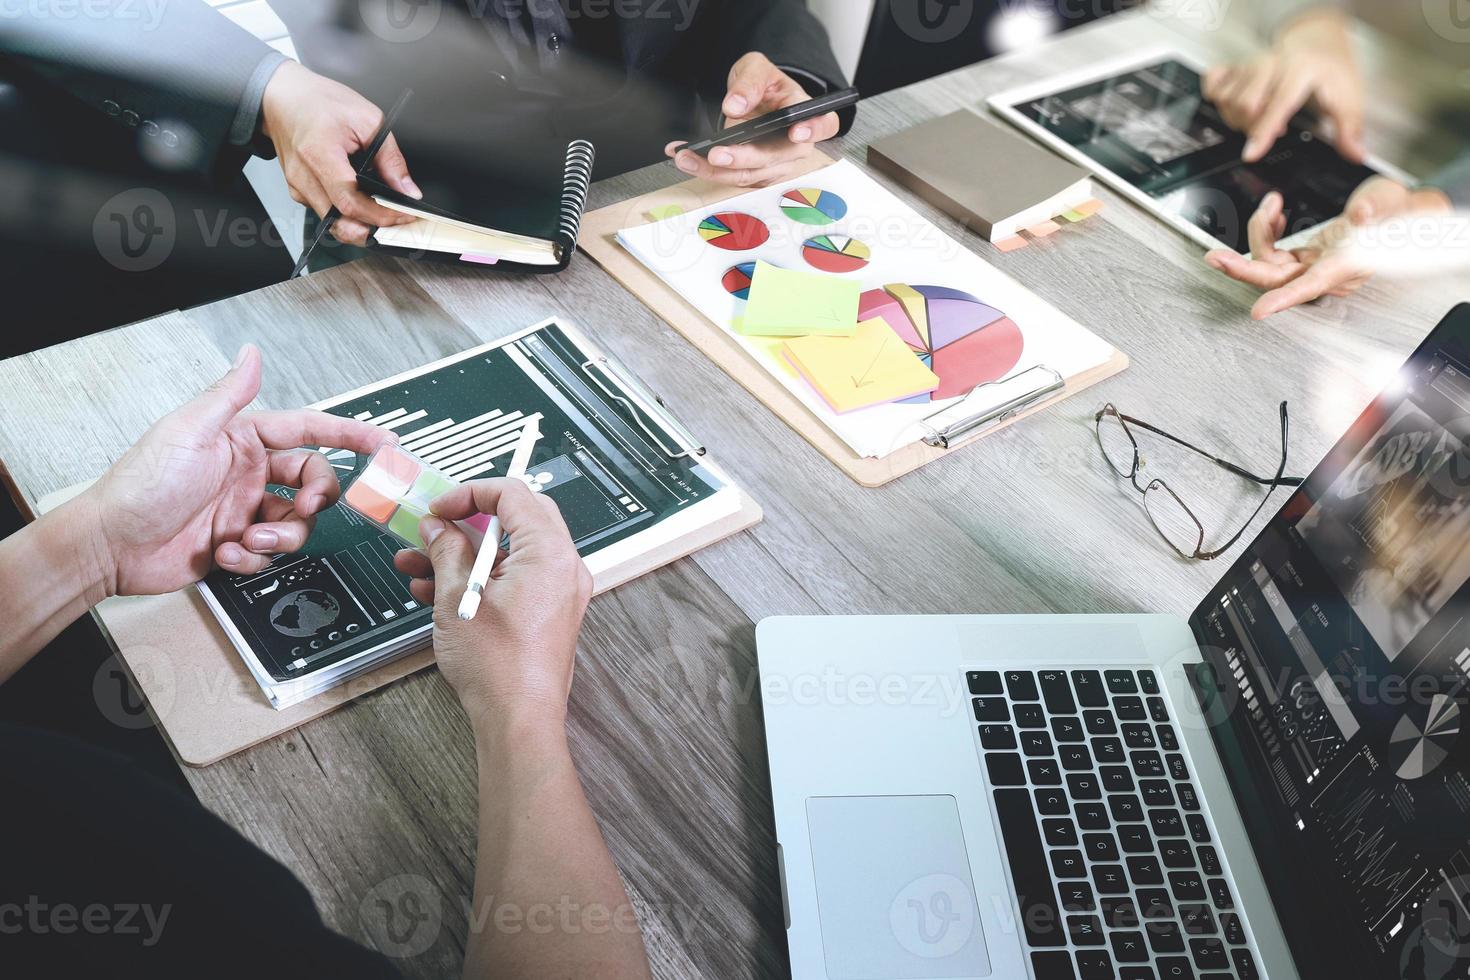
x=599, y=240
x=201, y=694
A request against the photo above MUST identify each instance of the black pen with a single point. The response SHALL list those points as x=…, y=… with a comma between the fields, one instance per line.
x=330, y=218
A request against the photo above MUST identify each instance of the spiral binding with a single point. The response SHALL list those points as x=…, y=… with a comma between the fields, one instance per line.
x=576, y=179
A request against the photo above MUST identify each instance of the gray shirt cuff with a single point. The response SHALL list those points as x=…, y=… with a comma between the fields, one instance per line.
x=1454, y=180
x=243, y=131
x=1273, y=15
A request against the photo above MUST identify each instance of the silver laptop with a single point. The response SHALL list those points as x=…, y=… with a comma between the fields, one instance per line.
x=1278, y=787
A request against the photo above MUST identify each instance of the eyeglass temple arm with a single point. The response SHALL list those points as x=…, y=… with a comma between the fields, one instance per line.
x=1277, y=480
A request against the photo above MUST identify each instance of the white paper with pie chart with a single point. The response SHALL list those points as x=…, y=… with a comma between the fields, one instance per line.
x=967, y=320
x=964, y=341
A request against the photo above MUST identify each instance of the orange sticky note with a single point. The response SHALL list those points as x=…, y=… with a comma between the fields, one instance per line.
x=1044, y=229
x=369, y=502
x=1010, y=244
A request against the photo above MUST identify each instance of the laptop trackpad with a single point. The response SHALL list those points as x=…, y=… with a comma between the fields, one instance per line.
x=894, y=892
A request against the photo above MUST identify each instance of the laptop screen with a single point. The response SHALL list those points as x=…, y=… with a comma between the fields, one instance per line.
x=1340, y=645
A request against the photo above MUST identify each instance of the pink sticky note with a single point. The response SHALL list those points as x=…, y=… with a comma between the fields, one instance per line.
x=1010, y=244
x=480, y=522
x=1044, y=229
x=478, y=259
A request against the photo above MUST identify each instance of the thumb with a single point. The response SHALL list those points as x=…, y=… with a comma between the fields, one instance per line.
x=748, y=82
x=452, y=555
x=1375, y=200
x=391, y=164
x=216, y=406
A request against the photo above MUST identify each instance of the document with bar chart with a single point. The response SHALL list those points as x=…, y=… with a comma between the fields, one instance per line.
x=617, y=465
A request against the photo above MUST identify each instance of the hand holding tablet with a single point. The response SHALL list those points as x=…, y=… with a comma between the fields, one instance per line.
x=1146, y=127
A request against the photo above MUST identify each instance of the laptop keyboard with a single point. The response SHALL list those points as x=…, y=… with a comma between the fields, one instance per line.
x=1114, y=862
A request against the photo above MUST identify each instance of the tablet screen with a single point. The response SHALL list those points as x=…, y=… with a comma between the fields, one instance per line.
x=1151, y=127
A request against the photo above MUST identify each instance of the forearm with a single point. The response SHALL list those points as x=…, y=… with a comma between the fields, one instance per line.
x=51, y=572
x=548, y=899
x=1274, y=17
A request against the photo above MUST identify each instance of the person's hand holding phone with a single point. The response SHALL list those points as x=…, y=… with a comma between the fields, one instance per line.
x=757, y=87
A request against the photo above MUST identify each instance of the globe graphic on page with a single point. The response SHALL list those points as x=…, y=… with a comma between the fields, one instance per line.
x=304, y=612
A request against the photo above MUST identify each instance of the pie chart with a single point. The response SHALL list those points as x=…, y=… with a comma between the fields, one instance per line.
x=812, y=206
x=959, y=338
x=733, y=231
x=835, y=253
x=1416, y=749
x=737, y=280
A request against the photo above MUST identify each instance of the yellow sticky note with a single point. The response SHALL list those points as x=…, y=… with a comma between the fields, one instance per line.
x=665, y=211
x=872, y=366
x=784, y=303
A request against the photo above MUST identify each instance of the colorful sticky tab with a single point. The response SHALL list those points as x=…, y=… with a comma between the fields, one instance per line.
x=1088, y=208
x=395, y=492
x=871, y=367
x=1074, y=216
x=1044, y=228
x=788, y=303
x=1010, y=244
x=405, y=524
x=665, y=211
x=369, y=502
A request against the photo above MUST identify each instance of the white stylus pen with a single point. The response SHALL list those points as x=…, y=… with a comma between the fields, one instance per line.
x=520, y=460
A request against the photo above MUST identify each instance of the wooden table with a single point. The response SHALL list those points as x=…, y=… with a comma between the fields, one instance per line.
x=666, y=725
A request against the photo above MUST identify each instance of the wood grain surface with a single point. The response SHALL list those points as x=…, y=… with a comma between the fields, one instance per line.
x=666, y=725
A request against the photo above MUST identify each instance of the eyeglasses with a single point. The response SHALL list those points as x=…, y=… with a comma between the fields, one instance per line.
x=1170, y=515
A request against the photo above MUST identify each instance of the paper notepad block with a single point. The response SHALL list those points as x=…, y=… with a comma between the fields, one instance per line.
x=784, y=303
x=871, y=367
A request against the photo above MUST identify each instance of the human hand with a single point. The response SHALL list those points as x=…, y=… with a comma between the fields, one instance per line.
x=757, y=87
x=514, y=659
x=1325, y=266
x=315, y=123
x=1311, y=61
x=192, y=491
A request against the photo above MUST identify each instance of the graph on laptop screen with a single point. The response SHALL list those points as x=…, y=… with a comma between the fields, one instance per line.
x=1342, y=642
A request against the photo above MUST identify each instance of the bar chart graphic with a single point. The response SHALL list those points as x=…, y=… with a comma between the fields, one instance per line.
x=461, y=450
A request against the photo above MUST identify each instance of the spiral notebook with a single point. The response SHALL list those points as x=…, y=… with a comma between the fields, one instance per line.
x=524, y=218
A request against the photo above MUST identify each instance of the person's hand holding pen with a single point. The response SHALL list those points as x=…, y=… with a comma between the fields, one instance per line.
x=315, y=125
x=756, y=87
x=514, y=658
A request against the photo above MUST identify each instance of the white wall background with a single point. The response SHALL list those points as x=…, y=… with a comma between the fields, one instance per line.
x=847, y=23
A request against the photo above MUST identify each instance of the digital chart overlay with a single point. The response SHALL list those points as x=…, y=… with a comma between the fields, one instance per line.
x=733, y=231
x=737, y=280
x=836, y=253
x=1417, y=747
x=813, y=206
x=959, y=338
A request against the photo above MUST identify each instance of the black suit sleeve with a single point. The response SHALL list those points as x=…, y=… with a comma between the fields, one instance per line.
x=175, y=891
x=784, y=31
x=179, y=72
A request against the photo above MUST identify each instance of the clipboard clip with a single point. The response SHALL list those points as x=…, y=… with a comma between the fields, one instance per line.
x=642, y=403
x=943, y=434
